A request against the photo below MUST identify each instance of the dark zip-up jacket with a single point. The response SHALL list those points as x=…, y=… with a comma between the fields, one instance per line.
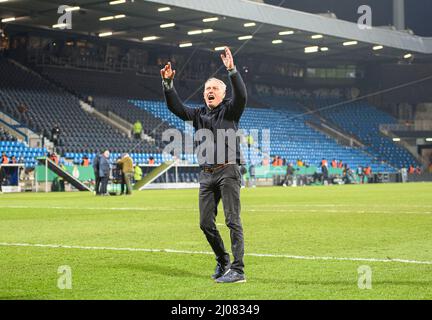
x=225, y=116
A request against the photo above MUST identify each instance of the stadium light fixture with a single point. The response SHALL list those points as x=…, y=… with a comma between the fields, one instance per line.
x=350, y=43
x=396, y=139
x=286, y=33
x=8, y=19
x=311, y=49
x=164, y=9
x=194, y=32
x=245, y=37
x=106, y=18
x=376, y=48
x=70, y=9
x=249, y=24
x=408, y=56
x=3, y=1
x=113, y=3
x=219, y=48
x=119, y=16
x=428, y=139
x=150, y=38
x=212, y=19
x=317, y=36
x=105, y=34
x=277, y=41
x=324, y=49
x=185, y=45
x=167, y=25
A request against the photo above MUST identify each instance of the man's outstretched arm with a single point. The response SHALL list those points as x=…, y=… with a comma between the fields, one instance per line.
x=239, y=94
x=175, y=105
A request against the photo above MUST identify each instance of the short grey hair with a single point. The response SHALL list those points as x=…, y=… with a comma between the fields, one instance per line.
x=218, y=80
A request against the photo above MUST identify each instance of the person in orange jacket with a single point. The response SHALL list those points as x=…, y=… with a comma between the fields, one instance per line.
x=5, y=159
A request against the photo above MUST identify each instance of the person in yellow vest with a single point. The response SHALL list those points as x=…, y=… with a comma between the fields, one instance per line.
x=137, y=130
x=126, y=164
x=250, y=141
x=137, y=173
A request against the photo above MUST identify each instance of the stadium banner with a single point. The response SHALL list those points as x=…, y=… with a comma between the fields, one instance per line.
x=79, y=172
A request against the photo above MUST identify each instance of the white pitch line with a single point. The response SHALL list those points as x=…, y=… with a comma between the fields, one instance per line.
x=287, y=210
x=59, y=246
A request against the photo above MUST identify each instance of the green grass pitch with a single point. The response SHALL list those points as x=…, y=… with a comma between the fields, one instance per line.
x=386, y=221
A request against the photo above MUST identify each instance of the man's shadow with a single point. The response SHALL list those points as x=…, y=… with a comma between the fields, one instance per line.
x=164, y=270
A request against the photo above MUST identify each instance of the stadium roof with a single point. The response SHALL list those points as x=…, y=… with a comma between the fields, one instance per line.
x=278, y=32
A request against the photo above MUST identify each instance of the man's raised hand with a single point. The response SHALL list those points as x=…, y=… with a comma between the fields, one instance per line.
x=228, y=59
x=167, y=72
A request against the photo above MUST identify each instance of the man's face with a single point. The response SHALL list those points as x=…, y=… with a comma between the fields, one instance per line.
x=214, y=93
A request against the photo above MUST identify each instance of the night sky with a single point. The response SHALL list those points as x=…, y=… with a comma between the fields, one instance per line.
x=418, y=12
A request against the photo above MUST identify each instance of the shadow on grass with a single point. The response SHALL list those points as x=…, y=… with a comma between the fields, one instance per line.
x=165, y=270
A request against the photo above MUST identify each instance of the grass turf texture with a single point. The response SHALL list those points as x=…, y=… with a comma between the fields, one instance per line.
x=360, y=221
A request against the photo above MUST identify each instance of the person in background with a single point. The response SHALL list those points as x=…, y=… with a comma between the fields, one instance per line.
x=289, y=176
x=137, y=173
x=411, y=169
x=368, y=173
x=325, y=173
x=334, y=163
x=85, y=161
x=250, y=141
x=360, y=173
x=96, y=161
x=127, y=170
x=151, y=161
x=323, y=162
x=340, y=164
x=265, y=161
x=13, y=160
x=137, y=130
x=252, y=176
x=4, y=158
x=60, y=179
x=298, y=162
x=55, y=135
x=104, y=172
x=430, y=167
x=279, y=161
x=54, y=158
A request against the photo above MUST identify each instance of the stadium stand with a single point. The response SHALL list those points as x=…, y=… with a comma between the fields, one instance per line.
x=6, y=136
x=22, y=153
x=363, y=121
x=49, y=105
x=290, y=138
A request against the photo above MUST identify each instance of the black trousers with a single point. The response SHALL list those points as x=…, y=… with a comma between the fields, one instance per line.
x=222, y=184
x=104, y=185
x=97, y=186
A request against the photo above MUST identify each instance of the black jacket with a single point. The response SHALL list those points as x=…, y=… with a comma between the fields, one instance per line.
x=225, y=116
